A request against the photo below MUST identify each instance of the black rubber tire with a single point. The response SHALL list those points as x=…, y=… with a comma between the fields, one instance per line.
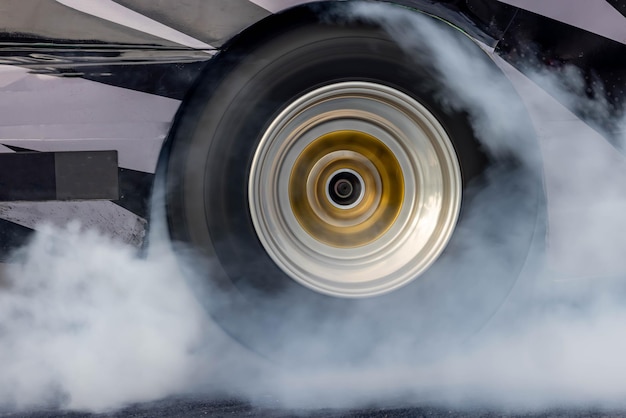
x=249, y=296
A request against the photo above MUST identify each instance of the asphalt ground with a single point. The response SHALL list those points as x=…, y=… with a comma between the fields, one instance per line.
x=195, y=406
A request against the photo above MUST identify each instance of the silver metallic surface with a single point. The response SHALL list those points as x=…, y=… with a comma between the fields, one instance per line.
x=596, y=16
x=196, y=24
x=50, y=20
x=428, y=212
x=275, y=6
x=47, y=113
x=116, y=13
x=213, y=21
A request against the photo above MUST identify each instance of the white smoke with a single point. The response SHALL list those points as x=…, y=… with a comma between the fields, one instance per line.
x=88, y=323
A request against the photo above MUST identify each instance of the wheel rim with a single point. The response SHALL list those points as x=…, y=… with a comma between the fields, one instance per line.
x=354, y=189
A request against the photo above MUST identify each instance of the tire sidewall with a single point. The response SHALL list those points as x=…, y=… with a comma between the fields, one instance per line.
x=208, y=206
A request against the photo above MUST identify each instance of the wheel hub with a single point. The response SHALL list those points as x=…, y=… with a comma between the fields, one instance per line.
x=345, y=189
x=354, y=189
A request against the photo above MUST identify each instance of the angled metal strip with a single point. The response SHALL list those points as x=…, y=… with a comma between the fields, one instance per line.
x=595, y=16
x=116, y=13
x=275, y=6
x=211, y=21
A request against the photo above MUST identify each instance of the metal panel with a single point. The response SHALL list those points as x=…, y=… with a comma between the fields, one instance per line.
x=209, y=21
x=48, y=19
x=86, y=175
x=596, y=16
x=41, y=176
x=27, y=176
x=534, y=42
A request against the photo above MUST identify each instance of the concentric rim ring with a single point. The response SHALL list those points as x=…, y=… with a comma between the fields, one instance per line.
x=411, y=199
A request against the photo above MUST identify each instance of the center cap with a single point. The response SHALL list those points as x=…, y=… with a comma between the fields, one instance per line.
x=345, y=188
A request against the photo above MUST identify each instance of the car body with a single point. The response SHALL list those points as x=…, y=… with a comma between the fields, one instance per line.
x=89, y=90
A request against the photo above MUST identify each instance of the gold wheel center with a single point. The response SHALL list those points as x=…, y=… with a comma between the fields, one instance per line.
x=346, y=188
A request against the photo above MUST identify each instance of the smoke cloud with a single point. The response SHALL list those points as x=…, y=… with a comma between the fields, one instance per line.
x=88, y=323
x=107, y=332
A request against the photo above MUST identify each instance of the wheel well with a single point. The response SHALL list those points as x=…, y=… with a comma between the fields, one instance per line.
x=326, y=11
x=261, y=31
x=274, y=25
x=235, y=49
x=338, y=12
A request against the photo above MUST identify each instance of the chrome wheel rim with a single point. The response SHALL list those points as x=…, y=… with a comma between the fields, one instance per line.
x=354, y=189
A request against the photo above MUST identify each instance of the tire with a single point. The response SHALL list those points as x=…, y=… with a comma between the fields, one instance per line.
x=286, y=271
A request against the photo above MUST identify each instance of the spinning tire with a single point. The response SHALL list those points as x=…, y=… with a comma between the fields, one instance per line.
x=335, y=200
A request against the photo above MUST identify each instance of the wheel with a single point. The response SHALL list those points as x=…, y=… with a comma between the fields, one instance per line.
x=337, y=204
